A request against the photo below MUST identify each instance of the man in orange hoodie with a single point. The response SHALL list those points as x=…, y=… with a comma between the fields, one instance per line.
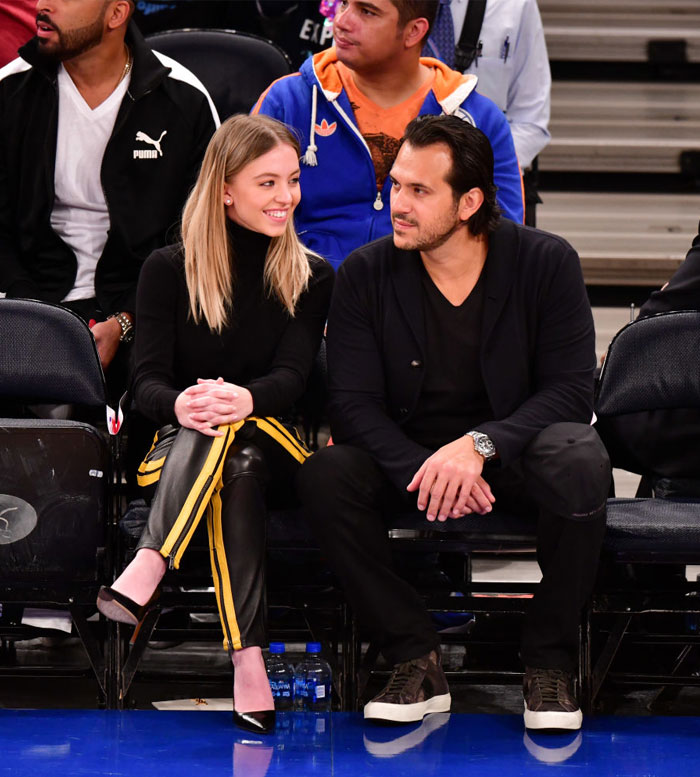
x=351, y=104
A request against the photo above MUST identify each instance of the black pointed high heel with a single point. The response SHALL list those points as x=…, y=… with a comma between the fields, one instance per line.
x=262, y=722
x=118, y=607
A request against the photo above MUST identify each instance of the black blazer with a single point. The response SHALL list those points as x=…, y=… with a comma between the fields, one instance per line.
x=682, y=292
x=537, y=350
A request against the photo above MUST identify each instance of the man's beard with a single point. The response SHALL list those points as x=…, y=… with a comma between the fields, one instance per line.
x=72, y=43
x=437, y=236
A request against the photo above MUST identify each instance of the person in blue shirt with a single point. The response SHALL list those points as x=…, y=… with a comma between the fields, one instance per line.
x=512, y=65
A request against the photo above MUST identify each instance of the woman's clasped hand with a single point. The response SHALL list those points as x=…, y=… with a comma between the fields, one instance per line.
x=212, y=402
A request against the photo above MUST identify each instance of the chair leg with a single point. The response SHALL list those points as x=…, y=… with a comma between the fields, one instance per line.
x=92, y=647
x=349, y=666
x=607, y=656
x=366, y=666
x=668, y=693
x=112, y=664
x=8, y=653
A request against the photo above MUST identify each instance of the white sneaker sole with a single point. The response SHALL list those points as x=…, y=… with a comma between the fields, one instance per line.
x=415, y=737
x=562, y=721
x=407, y=713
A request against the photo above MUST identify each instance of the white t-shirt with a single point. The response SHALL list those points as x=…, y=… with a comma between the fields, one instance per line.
x=79, y=214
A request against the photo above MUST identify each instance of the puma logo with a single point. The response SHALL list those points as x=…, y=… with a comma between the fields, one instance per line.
x=147, y=153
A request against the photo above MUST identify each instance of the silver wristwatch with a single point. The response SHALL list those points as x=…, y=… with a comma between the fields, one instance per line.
x=483, y=445
x=127, y=327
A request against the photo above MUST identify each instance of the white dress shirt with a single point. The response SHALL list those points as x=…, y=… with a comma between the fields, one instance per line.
x=513, y=69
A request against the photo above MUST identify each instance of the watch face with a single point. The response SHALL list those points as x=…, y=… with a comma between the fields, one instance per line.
x=483, y=445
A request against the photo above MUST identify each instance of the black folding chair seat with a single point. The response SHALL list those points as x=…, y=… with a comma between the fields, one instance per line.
x=497, y=531
x=654, y=530
x=285, y=528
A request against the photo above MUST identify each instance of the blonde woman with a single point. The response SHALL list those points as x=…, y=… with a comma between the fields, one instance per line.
x=229, y=322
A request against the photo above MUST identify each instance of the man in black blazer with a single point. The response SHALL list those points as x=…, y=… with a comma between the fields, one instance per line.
x=461, y=359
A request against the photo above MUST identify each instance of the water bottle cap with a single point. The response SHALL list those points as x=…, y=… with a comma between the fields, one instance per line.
x=313, y=647
x=276, y=647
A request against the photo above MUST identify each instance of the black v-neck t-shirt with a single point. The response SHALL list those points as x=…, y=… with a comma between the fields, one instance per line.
x=453, y=396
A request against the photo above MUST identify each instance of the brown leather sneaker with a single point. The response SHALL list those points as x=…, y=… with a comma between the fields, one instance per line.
x=415, y=688
x=550, y=702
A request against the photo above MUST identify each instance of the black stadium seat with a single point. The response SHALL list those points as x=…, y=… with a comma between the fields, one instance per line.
x=235, y=67
x=651, y=365
x=55, y=476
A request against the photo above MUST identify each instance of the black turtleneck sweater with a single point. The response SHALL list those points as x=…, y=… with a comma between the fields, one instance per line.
x=262, y=348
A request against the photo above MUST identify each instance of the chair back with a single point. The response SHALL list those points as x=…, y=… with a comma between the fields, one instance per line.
x=652, y=364
x=235, y=67
x=48, y=354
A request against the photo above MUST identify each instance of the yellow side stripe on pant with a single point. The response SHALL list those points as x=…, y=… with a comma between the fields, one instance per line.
x=147, y=480
x=273, y=428
x=222, y=580
x=148, y=473
x=209, y=471
x=291, y=434
x=148, y=466
x=230, y=435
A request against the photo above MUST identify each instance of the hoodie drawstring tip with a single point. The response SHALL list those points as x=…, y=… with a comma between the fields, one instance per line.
x=309, y=157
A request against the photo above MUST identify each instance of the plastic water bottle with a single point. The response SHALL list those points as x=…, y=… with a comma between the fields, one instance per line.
x=312, y=681
x=281, y=674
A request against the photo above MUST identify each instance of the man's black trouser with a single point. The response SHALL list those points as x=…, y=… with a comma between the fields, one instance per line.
x=564, y=474
x=226, y=478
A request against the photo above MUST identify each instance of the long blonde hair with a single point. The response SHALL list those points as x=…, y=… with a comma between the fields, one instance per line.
x=209, y=265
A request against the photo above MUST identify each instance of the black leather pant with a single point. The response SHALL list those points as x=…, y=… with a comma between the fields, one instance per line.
x=226, y=478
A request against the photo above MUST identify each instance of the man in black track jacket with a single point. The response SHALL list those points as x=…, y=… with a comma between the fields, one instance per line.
x=100, y=141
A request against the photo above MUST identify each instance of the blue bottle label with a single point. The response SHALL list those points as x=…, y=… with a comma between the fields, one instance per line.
x=281, y=688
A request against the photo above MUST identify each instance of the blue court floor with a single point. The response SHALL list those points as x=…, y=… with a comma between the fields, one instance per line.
x=199, y=744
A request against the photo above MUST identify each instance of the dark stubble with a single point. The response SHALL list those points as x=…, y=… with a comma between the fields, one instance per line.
x=439, y=234
x=72, y=43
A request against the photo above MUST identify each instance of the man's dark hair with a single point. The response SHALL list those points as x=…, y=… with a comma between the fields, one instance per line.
x=416, y=9
x=472, y=162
